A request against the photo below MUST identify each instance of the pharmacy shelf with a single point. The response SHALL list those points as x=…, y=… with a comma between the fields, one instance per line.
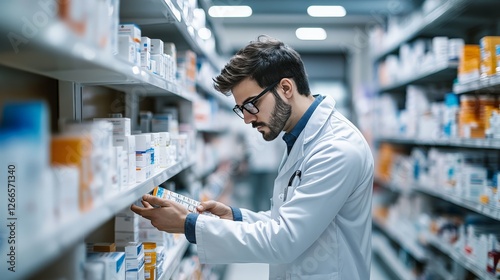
x=65, y=236
x=394, y=187
x=485, y=85
x=403, y=238
x=58, y=53
x=444, y=71
x=163, y=19
x=458, y=257
x=225, y=100
x=456, y=142
x=448, y=10
x=173, y=257
x=381, y=247
x=486, y=210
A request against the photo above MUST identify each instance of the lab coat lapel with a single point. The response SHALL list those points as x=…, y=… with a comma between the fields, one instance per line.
x=317, y=120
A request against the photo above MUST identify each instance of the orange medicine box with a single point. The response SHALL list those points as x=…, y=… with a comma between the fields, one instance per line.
x=76, y=151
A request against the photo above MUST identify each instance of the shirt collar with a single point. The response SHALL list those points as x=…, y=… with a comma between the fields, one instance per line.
x=292, y=136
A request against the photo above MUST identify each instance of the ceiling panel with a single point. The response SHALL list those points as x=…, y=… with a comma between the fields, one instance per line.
x=282, y=18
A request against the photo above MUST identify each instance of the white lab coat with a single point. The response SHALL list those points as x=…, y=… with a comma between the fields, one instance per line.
x=323, y=229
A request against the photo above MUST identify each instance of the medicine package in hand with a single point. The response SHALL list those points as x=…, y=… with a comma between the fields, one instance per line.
x=187, y=202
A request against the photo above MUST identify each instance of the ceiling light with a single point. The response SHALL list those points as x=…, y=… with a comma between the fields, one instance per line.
x=313, y=33
x=326, y=11
x=230, y=11
x=204, y=33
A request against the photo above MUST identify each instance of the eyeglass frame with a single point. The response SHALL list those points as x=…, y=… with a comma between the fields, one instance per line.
x=238, y=110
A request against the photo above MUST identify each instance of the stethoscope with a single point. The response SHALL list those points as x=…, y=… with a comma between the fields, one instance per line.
x=296, y=174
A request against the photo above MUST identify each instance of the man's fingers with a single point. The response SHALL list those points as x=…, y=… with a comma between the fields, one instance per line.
x=146, y=204
x=206, y=205
x=136, y=209
x=153, y=200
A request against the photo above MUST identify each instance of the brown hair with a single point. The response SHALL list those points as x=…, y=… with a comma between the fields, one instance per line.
x=266, y=61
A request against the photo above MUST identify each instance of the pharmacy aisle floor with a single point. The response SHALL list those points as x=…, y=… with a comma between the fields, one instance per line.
x=259, y=271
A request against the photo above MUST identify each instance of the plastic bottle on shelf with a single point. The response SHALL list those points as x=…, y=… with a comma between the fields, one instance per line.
x=450, y=115
x=469, y=123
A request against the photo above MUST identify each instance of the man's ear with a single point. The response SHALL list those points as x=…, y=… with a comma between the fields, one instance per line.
x=287, y=86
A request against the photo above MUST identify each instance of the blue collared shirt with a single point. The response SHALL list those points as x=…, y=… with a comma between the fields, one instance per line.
x=292, y=136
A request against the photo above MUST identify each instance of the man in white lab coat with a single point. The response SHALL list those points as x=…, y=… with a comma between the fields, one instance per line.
x=319, y=224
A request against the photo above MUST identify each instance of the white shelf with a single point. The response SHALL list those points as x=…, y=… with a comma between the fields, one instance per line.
x=58, y=53
x=486, y=85
x=46, y=249
x=456, y=142
x=458, y=257
x=226, y=101
x=381, y=247
x=447, y=10
x=404, y=240
x=161, y=15
x=486, y=210
x=444, y=71
x=173, y=257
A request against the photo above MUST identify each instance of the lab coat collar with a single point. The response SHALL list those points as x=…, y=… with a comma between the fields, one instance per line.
x=313, y=126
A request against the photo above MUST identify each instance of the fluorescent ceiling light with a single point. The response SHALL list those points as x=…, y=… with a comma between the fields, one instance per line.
x=230, y=11
x=313, y=33
x=326, y=11
x=204, y=33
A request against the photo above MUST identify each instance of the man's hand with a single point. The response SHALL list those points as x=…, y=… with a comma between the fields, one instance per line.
x=169, y=217
x=216, y=208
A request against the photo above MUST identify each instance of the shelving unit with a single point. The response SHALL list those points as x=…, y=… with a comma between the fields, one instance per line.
x=454, y=19
x=427, y=23
x=50, y=247
x=454, y=143
x=172, y=259
x=38, y=42
x=404, y=238
x=458, y=257
x=486, y=85
x=380, y=246
x=434, y=73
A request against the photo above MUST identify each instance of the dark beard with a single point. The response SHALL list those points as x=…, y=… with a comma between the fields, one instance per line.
x=279, y=116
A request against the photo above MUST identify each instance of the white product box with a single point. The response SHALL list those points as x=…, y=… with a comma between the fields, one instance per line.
x=164, y=139
x=127, y=223
x=142, y=173
x=122, y=238
x=154, y=67
x=126, y=48
x=166, y=70
x=131, y=30
x=66, y=184
x=127, y=142
x=156, y=46
x=164, y=156
x=114, y=172
x=146, y=61
x=134, y=263
x=160, y=65
x=136, y=274
x=153, y=235
x=143, y=142
x=145, y=44
x=122, y=160
x=134, y=250
x=114, y=264
x=121, y=126
x=142, y=159
x=131, y=169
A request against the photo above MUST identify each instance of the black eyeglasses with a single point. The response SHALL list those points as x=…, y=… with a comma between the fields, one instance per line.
x=250, y=106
